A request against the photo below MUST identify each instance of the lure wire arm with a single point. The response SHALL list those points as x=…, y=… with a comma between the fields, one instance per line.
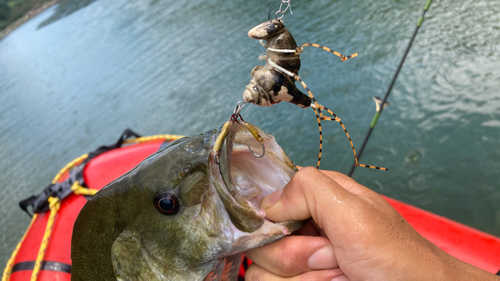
x=342, y=57
x=300, y=49
x=320, y=116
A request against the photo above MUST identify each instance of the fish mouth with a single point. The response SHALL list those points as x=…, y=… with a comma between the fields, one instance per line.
x=248, y=178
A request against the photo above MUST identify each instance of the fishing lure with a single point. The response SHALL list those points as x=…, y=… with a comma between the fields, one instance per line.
x=275, y=81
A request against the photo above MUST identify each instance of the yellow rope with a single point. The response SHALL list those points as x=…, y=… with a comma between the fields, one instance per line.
x=69, y=166
x=80, y=159
x=8, y=269
x=54, y=205
x=80, y=190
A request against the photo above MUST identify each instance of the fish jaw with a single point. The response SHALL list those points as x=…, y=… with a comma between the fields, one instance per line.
x=243, y=180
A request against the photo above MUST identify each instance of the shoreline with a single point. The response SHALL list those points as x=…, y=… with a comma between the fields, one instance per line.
x=29, y=15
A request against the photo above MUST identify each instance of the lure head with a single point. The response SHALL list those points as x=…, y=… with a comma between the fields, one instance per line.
x=268, y=87
x=264, y=87
x=267, y=29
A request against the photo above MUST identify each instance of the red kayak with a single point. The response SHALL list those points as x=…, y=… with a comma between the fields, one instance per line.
x=99, y=168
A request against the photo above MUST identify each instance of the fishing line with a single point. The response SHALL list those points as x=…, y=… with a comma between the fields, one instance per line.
x=280, y=11
x=377, y=114
x=271, y=8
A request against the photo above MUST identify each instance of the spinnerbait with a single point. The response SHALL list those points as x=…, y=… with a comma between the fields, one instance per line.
x=274, y=82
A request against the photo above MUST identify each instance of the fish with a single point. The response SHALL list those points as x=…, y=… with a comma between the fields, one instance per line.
x=186, y=212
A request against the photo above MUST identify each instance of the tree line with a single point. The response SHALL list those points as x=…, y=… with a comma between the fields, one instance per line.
x=11, y=10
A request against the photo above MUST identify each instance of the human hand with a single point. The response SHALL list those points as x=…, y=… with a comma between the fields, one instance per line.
x=354, y=234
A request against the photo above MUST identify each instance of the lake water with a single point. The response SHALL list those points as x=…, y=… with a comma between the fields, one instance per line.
x=74, y=77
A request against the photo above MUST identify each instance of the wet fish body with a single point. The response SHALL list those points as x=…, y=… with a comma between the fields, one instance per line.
x=180, y=215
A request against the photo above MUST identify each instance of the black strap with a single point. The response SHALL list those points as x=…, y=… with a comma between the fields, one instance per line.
x=46, y=265
x=245, y=263
x=28, y=202
x=498, y=273
x=40, y=204
x=125, y=135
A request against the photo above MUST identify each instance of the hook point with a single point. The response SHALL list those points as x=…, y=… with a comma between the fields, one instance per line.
x=255, y=154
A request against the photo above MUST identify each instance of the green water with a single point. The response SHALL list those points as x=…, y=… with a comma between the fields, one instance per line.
x=74, y=77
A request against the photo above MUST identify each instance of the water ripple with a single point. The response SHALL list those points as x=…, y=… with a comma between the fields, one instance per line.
x=180, y=66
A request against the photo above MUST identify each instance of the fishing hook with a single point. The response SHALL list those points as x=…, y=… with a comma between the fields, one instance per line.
x=255, y=154
x=225, y=128
x=253, y=131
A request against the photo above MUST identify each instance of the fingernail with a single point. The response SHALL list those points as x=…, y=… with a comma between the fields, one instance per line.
x=323, y=258
x=285, y=230
x=262, y=213
x=270, y=199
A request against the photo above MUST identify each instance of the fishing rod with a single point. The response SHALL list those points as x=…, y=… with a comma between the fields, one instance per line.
x=380, y=104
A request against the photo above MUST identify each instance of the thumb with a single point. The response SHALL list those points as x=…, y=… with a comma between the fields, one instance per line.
x=310, y=193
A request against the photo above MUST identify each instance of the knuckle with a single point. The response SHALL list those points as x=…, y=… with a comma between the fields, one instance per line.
x=286, y=257
x=309, y=171
x=306, y=174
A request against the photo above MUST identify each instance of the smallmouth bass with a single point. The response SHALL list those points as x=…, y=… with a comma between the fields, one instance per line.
x=182, y=215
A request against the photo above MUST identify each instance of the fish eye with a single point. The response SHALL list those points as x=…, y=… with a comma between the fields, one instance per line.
x=254, y=89
x=166, y=203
